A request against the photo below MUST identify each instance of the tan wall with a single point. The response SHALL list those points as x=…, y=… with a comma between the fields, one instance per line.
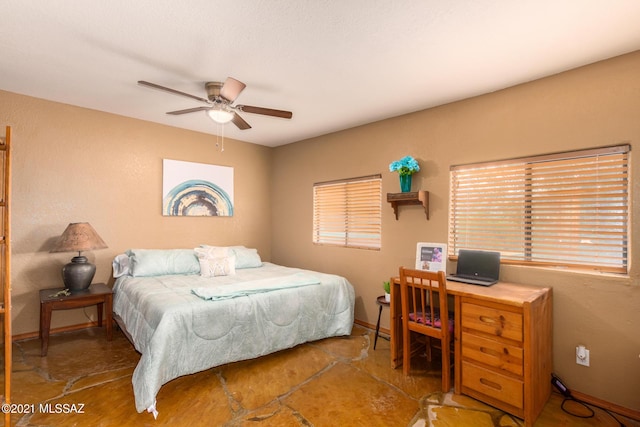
x=592, y=106
x=72, y=164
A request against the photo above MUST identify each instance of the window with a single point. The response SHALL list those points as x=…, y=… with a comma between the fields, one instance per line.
x=565, y=209
x=348, y=212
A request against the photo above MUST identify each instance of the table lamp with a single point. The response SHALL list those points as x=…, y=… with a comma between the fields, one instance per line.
x=77, y=237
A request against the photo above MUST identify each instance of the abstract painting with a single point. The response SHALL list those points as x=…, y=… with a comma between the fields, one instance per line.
x=196, y=189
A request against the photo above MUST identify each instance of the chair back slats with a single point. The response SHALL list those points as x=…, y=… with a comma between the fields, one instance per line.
x=418, y=290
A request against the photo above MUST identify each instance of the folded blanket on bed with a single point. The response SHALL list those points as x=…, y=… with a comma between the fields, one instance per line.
x=221, y=292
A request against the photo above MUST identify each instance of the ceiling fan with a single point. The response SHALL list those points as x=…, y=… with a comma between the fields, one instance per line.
x=220, y=108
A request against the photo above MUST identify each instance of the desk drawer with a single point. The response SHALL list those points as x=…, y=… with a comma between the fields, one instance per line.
x=492, y=384
x=494, y=321
x=493, y=353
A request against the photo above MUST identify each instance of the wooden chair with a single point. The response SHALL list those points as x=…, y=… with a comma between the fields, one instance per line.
x=424, y=298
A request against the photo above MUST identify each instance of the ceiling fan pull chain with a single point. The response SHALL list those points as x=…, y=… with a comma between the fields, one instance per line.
x=222, y=147
x=218, y=138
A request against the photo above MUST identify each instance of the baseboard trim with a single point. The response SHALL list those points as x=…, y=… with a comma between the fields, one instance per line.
x=617, y=409
x=372, y=327
x=31, y=335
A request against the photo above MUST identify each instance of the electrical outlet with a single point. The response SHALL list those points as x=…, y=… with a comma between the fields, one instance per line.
x=582, y=355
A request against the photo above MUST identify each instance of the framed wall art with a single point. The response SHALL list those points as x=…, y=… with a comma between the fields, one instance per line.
x=196, y=189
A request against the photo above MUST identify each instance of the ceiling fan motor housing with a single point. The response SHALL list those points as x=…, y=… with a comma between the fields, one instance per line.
x=213, y=90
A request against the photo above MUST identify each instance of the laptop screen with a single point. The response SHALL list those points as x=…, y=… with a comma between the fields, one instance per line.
x=478, y=264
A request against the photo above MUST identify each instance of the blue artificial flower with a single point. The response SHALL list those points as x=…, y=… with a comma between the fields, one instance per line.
x=405, y=166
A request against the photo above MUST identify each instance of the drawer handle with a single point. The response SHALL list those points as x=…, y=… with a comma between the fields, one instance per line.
x=491, y=384
x=492, y=352
x=497, y=323
x=487, y=319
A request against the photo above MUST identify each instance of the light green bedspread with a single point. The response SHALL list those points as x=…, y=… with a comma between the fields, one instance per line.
x=179, y=333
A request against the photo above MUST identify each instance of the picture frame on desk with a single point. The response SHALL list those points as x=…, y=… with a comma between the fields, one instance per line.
x=431, y=257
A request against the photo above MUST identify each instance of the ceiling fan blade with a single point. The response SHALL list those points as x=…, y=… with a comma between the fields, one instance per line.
x=239, y=121
x=175, y=92
x=188, y=110
x=265, y=111
x=231, y=89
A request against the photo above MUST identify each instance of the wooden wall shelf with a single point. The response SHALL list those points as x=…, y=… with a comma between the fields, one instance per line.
x=409, y=198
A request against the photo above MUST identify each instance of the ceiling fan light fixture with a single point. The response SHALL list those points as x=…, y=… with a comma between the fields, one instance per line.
x=220, y=115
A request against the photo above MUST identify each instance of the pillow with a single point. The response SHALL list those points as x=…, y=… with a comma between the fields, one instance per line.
x=215, y=261
x=212, y=252
x=220, y=266
x=160, y=262
x=245, y=257
x=120, y=265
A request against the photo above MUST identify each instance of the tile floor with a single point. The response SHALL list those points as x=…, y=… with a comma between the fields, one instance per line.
x=332, y=382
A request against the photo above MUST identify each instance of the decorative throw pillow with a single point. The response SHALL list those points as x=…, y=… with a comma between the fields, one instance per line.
x=221, y=266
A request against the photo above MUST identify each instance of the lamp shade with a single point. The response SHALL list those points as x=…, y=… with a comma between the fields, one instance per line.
x=77, y=237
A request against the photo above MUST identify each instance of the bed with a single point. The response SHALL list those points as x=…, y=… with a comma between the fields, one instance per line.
x=187, y=310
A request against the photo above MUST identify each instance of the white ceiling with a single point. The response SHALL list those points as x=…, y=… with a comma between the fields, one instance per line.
x=335, y=63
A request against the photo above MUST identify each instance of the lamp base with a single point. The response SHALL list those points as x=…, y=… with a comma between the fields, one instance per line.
x=78, y=274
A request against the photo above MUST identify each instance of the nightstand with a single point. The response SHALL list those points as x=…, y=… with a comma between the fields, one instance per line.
x=51, y=299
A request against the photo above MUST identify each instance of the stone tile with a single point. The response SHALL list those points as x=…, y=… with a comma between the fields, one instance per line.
x=18, y=363
x=97, y=406
x=77, y=354
x=425, y=378
x=193, y=400
x=344, y=395
x=442, y=409
x=448, y=416
x=552, y=415
x=350, y=348
x=509, y=421
x=274, y=414
x=460, y=400
x=31, y=387
x=256, y=382
x=99, y=378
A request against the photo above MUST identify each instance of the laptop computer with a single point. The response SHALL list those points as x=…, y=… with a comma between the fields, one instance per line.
x=477, y=267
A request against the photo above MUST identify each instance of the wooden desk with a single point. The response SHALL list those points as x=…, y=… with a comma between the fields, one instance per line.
x=98, y=294
x=503, y=344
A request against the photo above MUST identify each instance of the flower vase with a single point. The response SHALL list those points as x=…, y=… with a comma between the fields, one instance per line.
x=405, y=183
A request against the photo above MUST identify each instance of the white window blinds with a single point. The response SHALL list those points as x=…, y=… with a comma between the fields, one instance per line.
x=565, y=209
x=348, y=212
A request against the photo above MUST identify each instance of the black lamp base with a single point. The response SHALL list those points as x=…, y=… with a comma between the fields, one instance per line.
x=78, y=274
